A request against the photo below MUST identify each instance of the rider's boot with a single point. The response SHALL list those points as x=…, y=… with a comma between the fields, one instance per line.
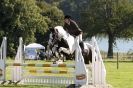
x=82, y=46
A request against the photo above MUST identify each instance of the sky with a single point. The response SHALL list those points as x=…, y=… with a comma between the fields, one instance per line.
x=122, y=45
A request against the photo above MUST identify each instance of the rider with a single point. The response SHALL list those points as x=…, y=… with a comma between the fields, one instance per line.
x=73, y=29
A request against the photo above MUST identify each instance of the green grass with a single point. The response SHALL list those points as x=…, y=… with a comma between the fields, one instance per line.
x=122, y=77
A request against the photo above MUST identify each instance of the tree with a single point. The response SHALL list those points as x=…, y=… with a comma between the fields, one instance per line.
x=55, y=16
x=21, y=18
x=113, y=18
x=69, y=7
x=53, y=2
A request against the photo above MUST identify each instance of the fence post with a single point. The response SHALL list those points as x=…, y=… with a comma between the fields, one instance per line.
x=117, y=61
x=132, y=57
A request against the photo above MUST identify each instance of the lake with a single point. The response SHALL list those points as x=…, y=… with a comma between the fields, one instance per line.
x=122, y=45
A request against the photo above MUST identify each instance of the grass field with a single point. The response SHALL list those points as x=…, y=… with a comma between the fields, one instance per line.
x=118, y=78
x=122, y=77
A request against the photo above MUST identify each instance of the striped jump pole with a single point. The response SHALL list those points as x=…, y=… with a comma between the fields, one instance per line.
x=50, y=71
x=41, y=65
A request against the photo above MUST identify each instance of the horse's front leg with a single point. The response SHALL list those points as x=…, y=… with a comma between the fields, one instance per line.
x=65, y=50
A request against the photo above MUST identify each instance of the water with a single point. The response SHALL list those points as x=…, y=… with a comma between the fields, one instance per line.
x=122, y=45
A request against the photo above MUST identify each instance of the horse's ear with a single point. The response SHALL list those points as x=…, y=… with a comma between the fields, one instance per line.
x=51, y=29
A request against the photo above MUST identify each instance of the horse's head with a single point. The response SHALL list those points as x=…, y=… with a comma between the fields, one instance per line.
x=53, y=37
x=59, y=30
x=57, y=33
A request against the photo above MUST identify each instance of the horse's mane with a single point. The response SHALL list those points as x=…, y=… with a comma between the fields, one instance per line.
x=61, y=30
x=59, y=27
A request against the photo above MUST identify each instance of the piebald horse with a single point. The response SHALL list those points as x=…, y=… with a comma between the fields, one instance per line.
x=66, y=43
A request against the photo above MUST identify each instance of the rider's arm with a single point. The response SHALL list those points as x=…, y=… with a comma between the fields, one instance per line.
x=65, y=27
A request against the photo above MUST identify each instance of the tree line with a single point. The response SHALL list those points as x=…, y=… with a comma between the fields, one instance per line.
x=31, y=19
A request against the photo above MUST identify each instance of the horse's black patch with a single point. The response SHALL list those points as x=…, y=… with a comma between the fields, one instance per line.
x=63, y=43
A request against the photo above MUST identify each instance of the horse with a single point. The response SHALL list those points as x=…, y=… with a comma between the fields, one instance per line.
x=66, y=43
